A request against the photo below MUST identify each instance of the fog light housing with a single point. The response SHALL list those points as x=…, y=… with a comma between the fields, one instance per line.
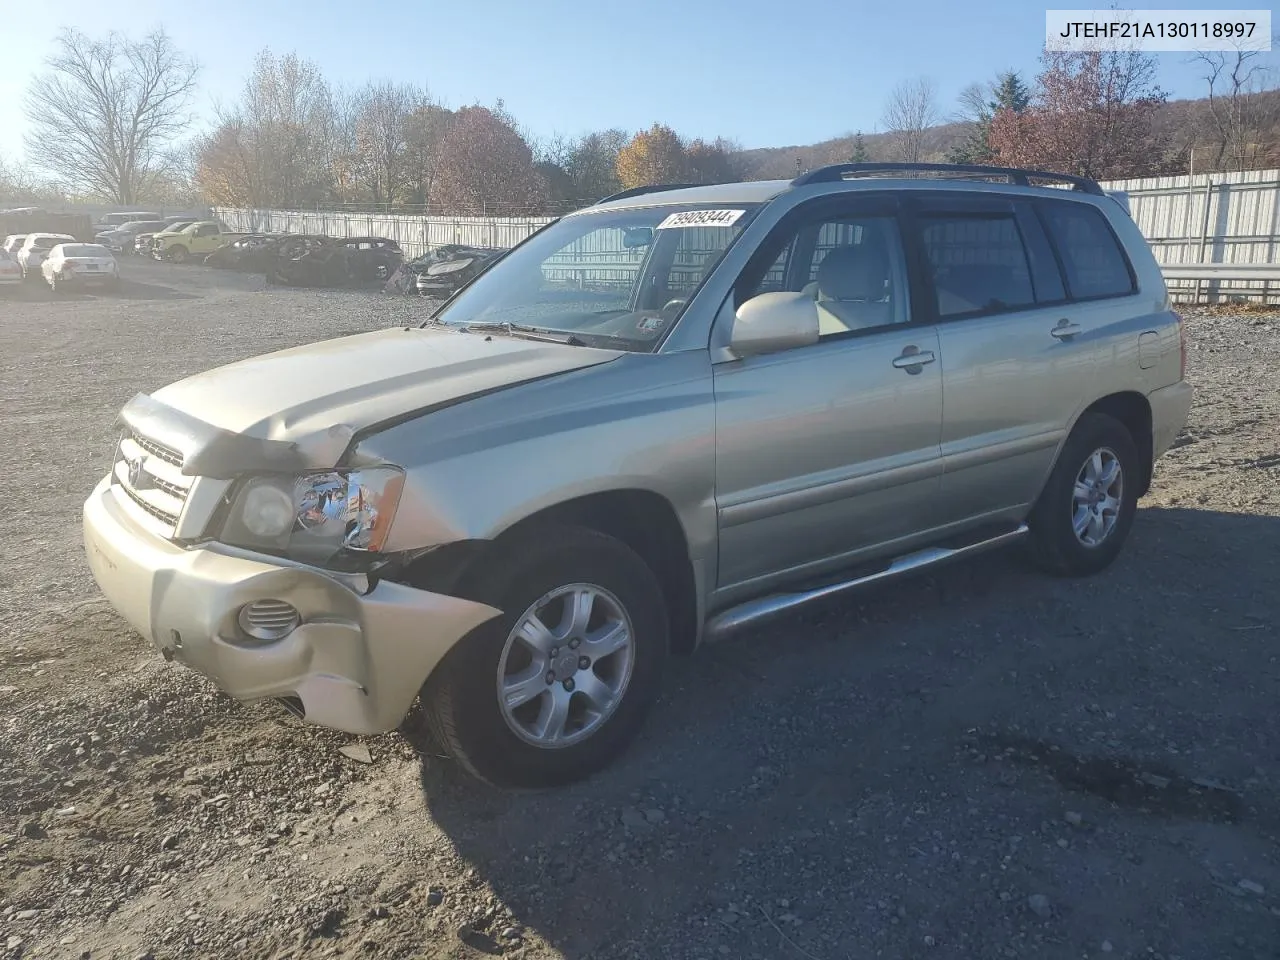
x=268, y=620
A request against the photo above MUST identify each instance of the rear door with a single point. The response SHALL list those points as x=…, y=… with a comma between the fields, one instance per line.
x=1020, y=354
x=829, y=451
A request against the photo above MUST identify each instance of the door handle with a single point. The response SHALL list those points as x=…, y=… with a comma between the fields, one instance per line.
x=913, y=358
x=1065, y=330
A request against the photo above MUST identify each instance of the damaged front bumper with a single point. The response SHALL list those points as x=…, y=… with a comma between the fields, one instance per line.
x=354, y=660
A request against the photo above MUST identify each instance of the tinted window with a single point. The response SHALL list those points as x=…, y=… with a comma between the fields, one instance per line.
x=979, y=263
x=1091, y=256
x=851, y=266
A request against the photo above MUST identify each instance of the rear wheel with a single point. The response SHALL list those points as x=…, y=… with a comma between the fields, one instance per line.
x=1084, y=514
x=557, y=686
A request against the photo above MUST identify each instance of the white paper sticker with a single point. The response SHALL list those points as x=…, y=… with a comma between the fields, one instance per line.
x=701, y=218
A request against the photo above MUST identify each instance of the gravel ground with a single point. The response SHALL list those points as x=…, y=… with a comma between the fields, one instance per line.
x=984, y=763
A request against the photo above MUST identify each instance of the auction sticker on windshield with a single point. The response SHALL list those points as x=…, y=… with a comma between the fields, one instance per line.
x=701, y=218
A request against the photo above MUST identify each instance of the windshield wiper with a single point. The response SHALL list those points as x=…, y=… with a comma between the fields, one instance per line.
x=517, y=329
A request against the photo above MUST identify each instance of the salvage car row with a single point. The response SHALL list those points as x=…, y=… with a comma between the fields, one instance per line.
x=289, y=259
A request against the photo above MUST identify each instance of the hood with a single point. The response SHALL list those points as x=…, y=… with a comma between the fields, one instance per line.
x=359, y=381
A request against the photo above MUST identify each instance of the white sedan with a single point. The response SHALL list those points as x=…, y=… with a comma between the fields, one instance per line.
x=35, y=248
x=10, y=272
x=80, y=265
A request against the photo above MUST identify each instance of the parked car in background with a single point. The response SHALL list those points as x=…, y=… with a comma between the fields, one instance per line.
x=10, y=272
x=13, y=243
x=447, y=270
x=35, y=248
x=144, y=242
x=334, y=261
x=121, y=239
x=370, y=258
x=199, y=239
x=111, y=221
x=253, y=252
x=303, y=261
x=80, y=265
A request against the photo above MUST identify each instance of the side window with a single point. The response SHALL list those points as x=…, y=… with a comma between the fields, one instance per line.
x=1092, y=259
x=978, y=262
x=852, y=266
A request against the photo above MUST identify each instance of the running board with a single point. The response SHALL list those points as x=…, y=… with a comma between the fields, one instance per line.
x=754, y=611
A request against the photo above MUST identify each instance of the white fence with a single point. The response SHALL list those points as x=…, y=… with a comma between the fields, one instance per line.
x=416, y=235
x=1215, y=218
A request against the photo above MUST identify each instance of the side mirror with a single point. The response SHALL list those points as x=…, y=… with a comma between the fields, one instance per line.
x=772, y=322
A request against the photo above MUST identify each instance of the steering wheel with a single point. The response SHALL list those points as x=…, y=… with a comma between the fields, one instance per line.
x=671, y=308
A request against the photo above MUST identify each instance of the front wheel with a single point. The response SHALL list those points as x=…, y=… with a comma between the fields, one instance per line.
x=1085, y=512
x=557, y=686
x=177, y=254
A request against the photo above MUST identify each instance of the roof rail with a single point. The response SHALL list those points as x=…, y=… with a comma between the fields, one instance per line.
x=844, y=171
x=640, y=191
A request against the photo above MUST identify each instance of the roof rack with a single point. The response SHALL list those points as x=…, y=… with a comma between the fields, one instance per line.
x=844, y=171
x=640, y=191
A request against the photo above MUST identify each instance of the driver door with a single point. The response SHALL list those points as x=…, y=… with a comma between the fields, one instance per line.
x=829, y=453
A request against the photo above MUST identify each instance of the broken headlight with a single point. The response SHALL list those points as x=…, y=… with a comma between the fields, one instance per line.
x=315, y=517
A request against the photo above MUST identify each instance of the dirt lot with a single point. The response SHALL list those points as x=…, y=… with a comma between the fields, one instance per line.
x=982, y=764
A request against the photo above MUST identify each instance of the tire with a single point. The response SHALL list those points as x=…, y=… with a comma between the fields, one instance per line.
x=1055, y=544
x=177, y=253
x=461, y=700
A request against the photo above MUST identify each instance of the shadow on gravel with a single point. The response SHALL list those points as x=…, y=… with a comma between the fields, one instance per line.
x=752, y=775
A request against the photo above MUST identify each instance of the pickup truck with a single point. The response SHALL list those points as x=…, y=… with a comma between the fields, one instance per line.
x=200, y=238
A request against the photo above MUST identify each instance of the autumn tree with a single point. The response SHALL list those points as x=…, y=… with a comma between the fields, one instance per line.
x=486, y=167
x=425, y=130
x=1092, y=115
x=912, y=108
x=278, y=145
x=105, y=113
x=653, y=156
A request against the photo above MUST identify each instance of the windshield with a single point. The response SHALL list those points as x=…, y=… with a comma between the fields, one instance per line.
x=621, y=277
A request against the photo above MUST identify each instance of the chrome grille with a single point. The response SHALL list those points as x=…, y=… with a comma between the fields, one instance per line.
x=150, y=475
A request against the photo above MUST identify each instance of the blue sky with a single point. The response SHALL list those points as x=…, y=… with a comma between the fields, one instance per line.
x=764, y=72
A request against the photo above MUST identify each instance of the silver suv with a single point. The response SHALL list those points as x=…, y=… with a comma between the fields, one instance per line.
x=655, y=421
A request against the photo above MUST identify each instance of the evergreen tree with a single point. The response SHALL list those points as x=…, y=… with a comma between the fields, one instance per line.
x=859, y=154
x=1008, y=93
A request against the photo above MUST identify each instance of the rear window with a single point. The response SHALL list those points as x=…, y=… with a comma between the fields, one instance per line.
x=979, y=263
x=84, y=250
x=1092, y=259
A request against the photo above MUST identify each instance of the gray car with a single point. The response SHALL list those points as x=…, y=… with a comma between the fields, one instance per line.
x=656, y=421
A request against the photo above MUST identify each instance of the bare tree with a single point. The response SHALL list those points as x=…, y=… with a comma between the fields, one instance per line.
x=280, y=145
x=912, y=108
x=105, y=112
x=382, y=113
x=1240, y=112
x=593, y=165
